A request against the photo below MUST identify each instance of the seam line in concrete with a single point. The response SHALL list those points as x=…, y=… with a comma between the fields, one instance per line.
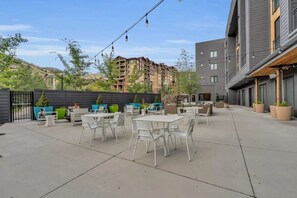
x=184, y=176
x=243, y=156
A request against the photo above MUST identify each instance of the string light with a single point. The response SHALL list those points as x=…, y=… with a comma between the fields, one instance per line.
x=126, y=38
x=146, y=21
x=131, y=27
x=253, y=55
x=112, y=48
x=229, y=59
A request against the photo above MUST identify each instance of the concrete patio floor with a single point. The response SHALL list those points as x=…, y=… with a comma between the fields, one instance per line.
x=240, y=154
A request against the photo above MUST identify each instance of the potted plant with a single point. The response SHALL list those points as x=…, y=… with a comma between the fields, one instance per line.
x=284, y=112
x=61, y=112
x=259, y=106
x=42, y=103
x=273, y=110
x=136, y=102
x=99, y=103
x=114, y=108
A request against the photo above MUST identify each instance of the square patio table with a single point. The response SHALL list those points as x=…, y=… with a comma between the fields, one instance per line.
x=165, y=119
x=101, y=115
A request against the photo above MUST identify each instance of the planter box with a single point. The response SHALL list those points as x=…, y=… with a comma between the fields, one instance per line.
x=273, y=111
x=284, y=113
x=61, y=112
x=96, y=106
x=259, y=108
x=114, y=108
x=38, y=109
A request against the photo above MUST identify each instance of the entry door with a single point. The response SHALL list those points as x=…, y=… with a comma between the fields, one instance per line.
x=263, y=94
x=243, y=98
x=289, y=90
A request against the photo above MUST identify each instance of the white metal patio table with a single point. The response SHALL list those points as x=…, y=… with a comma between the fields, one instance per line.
x=165, y=120
x=101, y=116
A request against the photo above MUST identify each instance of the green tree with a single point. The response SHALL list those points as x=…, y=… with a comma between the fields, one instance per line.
x=109, y=71
x=8, y=48
x=76, y=65
x=187, y=80
x=134, y=84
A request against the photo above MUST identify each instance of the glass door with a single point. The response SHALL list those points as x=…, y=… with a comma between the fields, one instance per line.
x=289, y=90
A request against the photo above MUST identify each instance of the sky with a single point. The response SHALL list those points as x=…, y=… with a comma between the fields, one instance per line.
x=94, y=24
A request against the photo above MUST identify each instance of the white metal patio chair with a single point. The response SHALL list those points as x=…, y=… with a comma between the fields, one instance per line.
x=186, y=135
x=131, y=110
x=91, y=124
x=145, y=133
x=117, y=121
x=206, y=115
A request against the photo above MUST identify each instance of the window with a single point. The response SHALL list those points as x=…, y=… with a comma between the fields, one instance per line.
x=293, y=15
x=214, y=79
x=204, y=97
x=275, y=4
x=213, y=54
x=214, y=66
x=276, y=41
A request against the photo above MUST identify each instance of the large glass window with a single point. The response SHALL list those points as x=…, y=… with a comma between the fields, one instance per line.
x=243, y=98
x=293, y=14
x=289, y=90
x=277, y=34
x=275, y=4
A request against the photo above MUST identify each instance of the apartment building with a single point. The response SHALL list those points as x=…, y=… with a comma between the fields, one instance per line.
x=157, y=76
x=210, y=66
x=261, y=52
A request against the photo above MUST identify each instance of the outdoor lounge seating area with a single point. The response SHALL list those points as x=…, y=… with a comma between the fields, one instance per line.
x=220, y=167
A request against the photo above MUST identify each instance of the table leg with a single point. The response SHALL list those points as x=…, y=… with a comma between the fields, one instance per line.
x=165, y=142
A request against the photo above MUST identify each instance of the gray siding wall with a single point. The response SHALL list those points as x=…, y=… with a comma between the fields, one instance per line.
x=230, y=55
x=58, y=98
x=203, y=67
x=284, y=22
x=242, y=32
x=259, y=30
x=4, y=106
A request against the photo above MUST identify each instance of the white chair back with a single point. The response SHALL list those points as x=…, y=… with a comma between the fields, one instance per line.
x=134, y=124
x=191, y=127
x=144, y=129
x=101, y=109
x=87, y=121
x=129, y=108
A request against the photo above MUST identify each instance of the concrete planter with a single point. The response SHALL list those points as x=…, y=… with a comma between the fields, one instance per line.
x=284, y=113
x=254, y=107
x=273, y=113
x=259, y=108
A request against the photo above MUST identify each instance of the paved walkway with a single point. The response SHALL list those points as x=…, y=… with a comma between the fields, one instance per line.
x=240, y=154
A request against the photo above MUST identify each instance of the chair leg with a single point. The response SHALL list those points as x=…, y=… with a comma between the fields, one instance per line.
x=135, y=148
x=91, y=137
x=188, y=149
x=148, y=143
x=130, y=140
x=193, y=143
x=115, y=133
x=174, y=142
x=155, y=154
x=81, y=135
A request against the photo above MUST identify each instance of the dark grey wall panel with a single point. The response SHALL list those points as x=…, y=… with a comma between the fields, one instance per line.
x=4, y=106
x=58, y=98
x=259, y=13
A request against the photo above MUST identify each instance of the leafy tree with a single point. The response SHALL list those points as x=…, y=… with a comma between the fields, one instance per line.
x=99, y=100
x=187, y=80
x=134, y=84
x=42, y=101
x=147, y=87
x=109, y=71
x=76, y=65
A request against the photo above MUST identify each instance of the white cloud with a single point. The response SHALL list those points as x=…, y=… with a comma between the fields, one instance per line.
x=181, y=41
x=41, y=39
x=40, y=50
x=15, y=27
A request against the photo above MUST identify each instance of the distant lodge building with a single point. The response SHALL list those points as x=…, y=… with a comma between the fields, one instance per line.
x=156, y=75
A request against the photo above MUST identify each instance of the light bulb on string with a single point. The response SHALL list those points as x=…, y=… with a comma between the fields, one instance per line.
x=253, y=55
x=102, y=54
x=126, y=37
x=112, y=48
x=229, y=60
x=146, y=21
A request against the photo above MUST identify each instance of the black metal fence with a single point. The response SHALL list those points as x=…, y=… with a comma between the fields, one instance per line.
x=18, y=105
x=21, y=103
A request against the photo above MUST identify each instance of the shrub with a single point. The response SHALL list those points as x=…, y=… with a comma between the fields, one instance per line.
x=99, y=100
x=283, y=104
x=258, y=102
x=42, y=101
x=157, y=99
x=136, y=99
